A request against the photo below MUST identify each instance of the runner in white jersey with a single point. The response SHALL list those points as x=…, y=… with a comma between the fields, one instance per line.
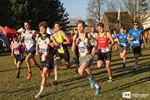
x=81, y=41
x=44, y=49
x=29, y=42
x=17, y=53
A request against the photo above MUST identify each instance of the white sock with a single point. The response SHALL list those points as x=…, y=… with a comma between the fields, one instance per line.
x=96, y=85
x=41, y=90
x=56, y=78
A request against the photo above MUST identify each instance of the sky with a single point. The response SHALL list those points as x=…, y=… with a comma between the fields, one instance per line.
x=76, y=8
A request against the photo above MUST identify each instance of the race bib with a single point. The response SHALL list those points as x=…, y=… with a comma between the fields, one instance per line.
x=136, y=42
x=92, y=42
x=16, y=52
x=105, y=49
x=81, y=49
x=123, y=44
x=61, y=49
x=43, y=51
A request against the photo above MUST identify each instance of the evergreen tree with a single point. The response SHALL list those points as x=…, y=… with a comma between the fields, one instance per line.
x=4, y=18
x=38, y=10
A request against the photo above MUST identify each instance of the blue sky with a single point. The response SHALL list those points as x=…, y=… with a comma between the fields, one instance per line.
x=76, y=8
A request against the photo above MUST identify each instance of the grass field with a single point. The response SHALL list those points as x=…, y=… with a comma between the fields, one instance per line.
x=72, y=86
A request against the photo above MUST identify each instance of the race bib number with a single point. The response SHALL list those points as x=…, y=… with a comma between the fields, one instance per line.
x=105, y=49
x=16, y=52
x=81, y=49
x=123, y=44
x=92, y=42
x=136, y=42
x=43, y=51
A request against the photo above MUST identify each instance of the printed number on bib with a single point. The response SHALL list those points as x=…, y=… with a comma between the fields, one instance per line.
x=43, y=51
x=16, y=52
x=136, y=42
x=92, y=42
x=81, y=49
x=123, y=44
x=105, y=49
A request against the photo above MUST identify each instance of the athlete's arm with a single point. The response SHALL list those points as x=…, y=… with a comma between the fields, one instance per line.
x=129, y=35
x=94, y=48
x=22, y=37
x=74, y=42
x=54, y=41
x=142, y=35
x=65, y=37
x=37, y=48
x=110, y=38
x=11, y=47
x=4, y=44
x=90, y=36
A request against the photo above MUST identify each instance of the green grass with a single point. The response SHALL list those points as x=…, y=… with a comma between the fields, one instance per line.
x=74, y=87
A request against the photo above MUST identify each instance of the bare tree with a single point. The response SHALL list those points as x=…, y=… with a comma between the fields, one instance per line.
x=137, y=9
x=73, y=21
x=95, y=11
x=112, y=6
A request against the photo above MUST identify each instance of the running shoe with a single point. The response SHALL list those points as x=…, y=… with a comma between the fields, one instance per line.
x=55, y=82
x=29, y=76
x=110, y=80
x=98, y=90
x=37, y=96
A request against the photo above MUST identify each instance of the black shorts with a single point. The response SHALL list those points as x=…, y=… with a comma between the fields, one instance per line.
x=65, y=55
x=136, y=50
x=104, y=56
x=48, y=63
x=19, y=57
